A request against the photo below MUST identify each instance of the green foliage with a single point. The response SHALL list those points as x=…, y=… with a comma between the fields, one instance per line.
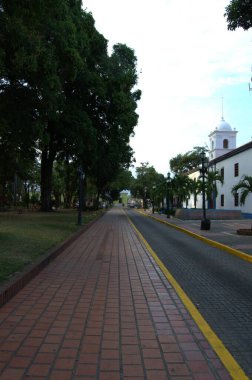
x=27, y=236
x=146, y=178
x=212, y=177
x=62, y=97
x=183, y=163
x=239, y=14
x=181, y=187
x=123, y=181
x=245, y=186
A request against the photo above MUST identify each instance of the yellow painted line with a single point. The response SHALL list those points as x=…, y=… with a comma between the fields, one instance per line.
x=235, y=371
x=223, y=247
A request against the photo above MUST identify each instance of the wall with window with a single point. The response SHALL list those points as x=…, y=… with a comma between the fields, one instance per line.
x=233, y=169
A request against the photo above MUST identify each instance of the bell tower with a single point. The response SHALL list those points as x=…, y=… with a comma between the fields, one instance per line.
x=222, y=140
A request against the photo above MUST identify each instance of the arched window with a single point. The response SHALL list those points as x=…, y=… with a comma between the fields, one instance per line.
x=212, y=144
x=225, y=143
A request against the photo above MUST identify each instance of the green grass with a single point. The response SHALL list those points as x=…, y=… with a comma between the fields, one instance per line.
x=26, y=236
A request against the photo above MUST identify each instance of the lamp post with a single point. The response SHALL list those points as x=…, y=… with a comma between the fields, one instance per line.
x=145, y=201
x=205, y=223
x=153, y=201
x=81, y=177
x=168, y=181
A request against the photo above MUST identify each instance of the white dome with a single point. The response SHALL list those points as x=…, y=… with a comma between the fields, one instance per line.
x=224, y=126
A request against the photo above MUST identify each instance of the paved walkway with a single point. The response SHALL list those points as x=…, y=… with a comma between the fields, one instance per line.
x=103, y=310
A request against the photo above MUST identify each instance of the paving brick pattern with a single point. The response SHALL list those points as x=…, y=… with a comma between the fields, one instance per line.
x=103, y=310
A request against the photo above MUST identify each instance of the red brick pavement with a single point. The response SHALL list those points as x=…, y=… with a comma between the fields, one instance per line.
x=103, y=310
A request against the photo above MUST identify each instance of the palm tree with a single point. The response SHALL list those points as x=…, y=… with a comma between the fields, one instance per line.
x=211, y=186
x=245, y=185
x=195, y=189
x=181, y=185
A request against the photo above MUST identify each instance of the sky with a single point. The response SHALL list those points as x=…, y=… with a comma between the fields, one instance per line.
x=191, y=71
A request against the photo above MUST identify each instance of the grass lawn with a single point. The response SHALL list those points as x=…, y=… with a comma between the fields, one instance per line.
x=26, y=236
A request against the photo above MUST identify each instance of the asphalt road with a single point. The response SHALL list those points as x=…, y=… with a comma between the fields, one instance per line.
x=218, y=283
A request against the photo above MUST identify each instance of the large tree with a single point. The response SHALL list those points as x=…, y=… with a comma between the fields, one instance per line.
x=115, y=117
x=239, y=14
x=146, y=178
x=74, y=102
x=40, y=56
x=183, y=163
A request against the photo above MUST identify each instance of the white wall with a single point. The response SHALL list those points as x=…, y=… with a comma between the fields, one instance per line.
x=244, y=159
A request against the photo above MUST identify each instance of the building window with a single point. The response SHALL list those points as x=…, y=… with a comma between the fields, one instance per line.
x=222, y=200
x=225, y=143
x=236, y=199
x=222, y=173
x=236, y=169
x=212, y=145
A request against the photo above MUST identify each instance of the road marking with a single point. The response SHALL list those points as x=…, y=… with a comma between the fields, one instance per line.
x=213, y=243
x=235, y=371
x=229, y=233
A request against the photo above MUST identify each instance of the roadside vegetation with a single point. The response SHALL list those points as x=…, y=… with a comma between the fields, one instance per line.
x=26, y=236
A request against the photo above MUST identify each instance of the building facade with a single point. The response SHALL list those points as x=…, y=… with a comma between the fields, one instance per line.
x=232, y=164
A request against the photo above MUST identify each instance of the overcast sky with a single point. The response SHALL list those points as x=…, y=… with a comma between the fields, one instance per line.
x=187, y=61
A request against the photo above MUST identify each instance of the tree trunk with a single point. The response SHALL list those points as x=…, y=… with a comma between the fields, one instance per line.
x=47, y=159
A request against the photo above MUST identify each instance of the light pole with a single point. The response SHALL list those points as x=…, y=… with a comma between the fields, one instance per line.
x=81, y=177
x=145, y=201
x=205, y=223
x=153, y=201
x=168, y=181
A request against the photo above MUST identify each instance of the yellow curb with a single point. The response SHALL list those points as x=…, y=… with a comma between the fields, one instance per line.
x=223, y=247
x=235, y=371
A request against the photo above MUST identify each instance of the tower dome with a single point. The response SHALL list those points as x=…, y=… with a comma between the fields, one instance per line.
x=224, y=126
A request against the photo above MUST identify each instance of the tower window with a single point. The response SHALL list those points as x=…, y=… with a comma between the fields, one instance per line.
x=212, y=145
x=225, y=143
x=236, y=169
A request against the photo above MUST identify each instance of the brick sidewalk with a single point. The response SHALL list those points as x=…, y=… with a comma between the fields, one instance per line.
x=103, y=310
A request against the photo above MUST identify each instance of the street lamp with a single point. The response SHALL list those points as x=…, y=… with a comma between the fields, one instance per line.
x=80, y=206
x=153, y=201
x=145, y=200
x=205, y=223
x=168, y=181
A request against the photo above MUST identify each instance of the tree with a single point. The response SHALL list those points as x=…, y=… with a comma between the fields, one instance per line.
x=123, y=181
x=146, y=177
x=74, y=103
x=181, y=187
x=195, y=189
x=116, y=116
x=183, y=163
x=239, y=14
x=212, y=178
x=40, y=57
x=245, y=186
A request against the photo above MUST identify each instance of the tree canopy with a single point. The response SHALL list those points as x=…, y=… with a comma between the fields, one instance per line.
x=62, y=96
x=239, y=14
x=183, y=163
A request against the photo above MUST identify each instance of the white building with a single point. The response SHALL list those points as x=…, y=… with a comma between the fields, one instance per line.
x=233, y=166
x=232, y=163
